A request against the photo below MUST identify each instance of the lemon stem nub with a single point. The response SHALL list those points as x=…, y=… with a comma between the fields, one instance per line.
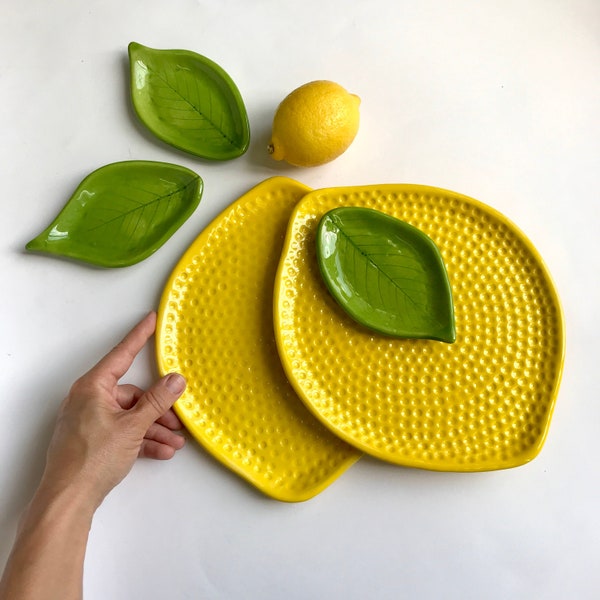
x=275, y=150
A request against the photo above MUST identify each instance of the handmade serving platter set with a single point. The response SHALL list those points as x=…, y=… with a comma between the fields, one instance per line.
x=288, y=388
x=406, y=322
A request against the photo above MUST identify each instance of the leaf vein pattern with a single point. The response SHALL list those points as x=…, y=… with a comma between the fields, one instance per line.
x=196, y=106
x=141, y=207
x=408, y=300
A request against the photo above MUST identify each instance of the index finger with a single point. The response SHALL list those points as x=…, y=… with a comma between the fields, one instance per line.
x=117, y=362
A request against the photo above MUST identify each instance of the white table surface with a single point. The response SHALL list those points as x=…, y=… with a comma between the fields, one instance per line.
x=496, y=100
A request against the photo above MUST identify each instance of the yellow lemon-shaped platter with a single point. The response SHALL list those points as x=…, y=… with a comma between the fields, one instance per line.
x=484, y=402
x=215, y=327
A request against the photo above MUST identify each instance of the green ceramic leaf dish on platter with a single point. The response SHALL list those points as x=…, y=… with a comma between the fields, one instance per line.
x=121, y=213
x=387, y=274
x=189, y=102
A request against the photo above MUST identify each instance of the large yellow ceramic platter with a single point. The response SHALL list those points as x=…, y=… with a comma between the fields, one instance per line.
x=483, y=402
x=215, y=327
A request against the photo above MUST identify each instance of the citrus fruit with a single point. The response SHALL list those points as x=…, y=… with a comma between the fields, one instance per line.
x=314, y=124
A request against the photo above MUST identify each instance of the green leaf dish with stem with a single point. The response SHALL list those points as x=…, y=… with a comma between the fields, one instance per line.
x=189, y=102
x=121, y=213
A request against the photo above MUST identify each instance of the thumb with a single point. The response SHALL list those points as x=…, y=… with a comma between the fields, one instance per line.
x=158, y=399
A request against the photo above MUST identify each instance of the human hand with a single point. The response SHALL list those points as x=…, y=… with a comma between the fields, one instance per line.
x=103, y=426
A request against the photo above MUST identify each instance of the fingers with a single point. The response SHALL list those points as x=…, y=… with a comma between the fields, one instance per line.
x=117, y=362
x=128, y=395
x=163, y=435
x=171, y=420
x=158, y=399
x=160, y=443
x=156, y=450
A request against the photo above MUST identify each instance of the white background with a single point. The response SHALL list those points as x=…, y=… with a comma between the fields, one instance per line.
x=495, y=100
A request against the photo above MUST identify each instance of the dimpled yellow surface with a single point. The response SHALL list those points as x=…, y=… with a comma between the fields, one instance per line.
x=482, y=403
x=215, y=327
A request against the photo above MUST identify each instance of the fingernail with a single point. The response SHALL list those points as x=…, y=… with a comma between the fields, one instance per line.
x=175, y=383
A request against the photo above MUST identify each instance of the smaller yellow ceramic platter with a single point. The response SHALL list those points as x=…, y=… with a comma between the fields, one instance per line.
x=215, y=326
x=482, y=403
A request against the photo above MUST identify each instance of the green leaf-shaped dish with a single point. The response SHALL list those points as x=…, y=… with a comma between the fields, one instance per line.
x=188, y=101
x=386, y=274
x=122, y=213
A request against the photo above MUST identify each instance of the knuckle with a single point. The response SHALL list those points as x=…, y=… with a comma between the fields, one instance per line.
x=80, y=387
x=154, y=400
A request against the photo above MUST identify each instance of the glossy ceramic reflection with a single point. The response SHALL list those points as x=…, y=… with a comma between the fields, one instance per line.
x=215, y=327
x=121, y=213
x=188, y=101
x=484, y=402
x=385, y=273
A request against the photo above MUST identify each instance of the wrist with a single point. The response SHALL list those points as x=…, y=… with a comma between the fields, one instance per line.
x=68, y=499
x=49, y=550
x=74, y=483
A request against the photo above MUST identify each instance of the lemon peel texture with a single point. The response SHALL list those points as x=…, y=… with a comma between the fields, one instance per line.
x=314, y=124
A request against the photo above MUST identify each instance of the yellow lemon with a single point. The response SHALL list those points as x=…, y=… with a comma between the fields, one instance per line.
x=314, y=124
